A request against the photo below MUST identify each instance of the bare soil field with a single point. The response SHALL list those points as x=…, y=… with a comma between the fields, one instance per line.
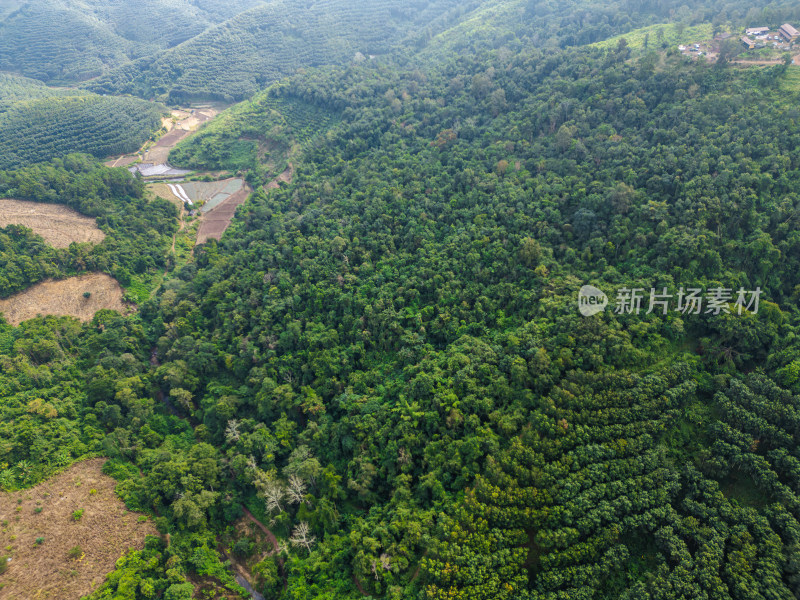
x=57, y=224
x=187, y=123
x=65, y=297
x=215, y=222
x=105, y=531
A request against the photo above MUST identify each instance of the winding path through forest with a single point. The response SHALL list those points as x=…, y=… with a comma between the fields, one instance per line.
x=270, y=536
x=241, y=574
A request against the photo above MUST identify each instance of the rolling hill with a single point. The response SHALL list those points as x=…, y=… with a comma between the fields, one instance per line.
x=233, y=60
x=74, y=40
x=14, y=89
x=38, y=123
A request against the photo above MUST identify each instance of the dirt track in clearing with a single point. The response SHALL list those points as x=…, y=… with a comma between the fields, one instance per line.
x=104, y=533
x=65, y=297
x=56, y=223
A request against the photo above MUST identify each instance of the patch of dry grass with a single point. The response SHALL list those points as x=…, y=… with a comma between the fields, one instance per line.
x=56, y=223
x=65, y=297
x=104, y=532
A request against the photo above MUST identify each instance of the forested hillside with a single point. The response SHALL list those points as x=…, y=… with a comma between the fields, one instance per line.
x=384, y=361
x=71, y=40
x=39, y=123
x=404, y=315
x=234, y=60
x=382, y=367
x=14, y=89
x=582, y=22
x=259, y=135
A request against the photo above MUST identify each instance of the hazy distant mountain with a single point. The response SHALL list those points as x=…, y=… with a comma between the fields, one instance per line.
x=74, y=40
x=272, y=40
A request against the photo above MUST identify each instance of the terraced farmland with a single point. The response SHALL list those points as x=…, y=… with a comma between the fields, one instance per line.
x=46, y=128
x=15, y=88
x=219, y=218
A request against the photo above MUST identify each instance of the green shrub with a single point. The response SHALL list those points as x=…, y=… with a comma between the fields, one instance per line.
x=243, y=548
x=179, y=591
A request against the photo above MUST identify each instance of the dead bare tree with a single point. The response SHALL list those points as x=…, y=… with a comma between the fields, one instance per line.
x=273, y=493
x=386, y=562
x=251, y=463
x=297, y=489
x=232, y=431
x=301, y=536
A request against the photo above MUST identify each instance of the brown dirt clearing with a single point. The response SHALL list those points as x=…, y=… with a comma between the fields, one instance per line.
x=57, y=224
x=65, y=297
x=122, y=161
x=285, y=177
x=215, y=222
x=104, y=533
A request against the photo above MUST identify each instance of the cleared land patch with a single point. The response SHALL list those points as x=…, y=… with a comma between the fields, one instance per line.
x=55, y=555
x=187, y=123
x=65, y=297
x=57, y=224
x=211, y=194
x=216, y=221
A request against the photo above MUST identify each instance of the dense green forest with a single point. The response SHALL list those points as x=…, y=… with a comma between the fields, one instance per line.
x=388, y=351
x=235, y=59
x=383, y=360
x=138, y=230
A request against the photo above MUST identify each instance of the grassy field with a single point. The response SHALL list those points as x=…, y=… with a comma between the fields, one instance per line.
x=671, y=35
x=64, y=535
